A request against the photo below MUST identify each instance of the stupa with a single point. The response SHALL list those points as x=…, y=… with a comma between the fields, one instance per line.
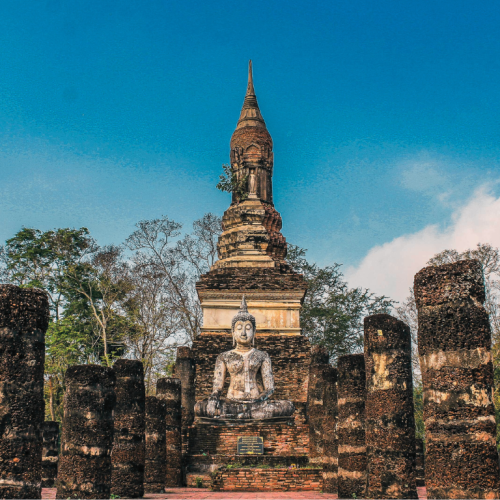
x=251, y=251
x=251, y=248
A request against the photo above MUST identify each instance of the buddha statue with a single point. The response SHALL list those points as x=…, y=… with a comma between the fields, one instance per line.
x=245, y=400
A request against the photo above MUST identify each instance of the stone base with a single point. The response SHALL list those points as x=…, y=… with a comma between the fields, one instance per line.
x=264, y=479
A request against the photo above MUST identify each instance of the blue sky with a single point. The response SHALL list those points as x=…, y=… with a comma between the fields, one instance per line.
x=384, y=116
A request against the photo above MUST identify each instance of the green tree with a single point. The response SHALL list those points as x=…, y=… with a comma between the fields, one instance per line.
x=98, y=290
x=332, y=314
x=234, y=183
x=33, y=258
x=88, y=289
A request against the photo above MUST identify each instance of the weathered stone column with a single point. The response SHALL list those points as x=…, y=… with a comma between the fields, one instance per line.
x=351, y=392
x=420, y=462
x=127, y=457
x=330, y=444
x=390, y=421
x=24, y=317
x=185, y=372
x=50, y=453
x=155, y=471
x=169, y=390
x=454, y=342
x=87, y=433
x=315, y=408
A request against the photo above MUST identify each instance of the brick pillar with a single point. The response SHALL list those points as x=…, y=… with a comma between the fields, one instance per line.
x=24, y=317
x=87, y=433
x=351, y=392
x=420, y=463
x=454, y=343
x=169, y=390
x=155, y=470
x=185, y=372
x=330, y=443
x=390, y=421
x=50, y=453
x=318, y=370
x=127, y=457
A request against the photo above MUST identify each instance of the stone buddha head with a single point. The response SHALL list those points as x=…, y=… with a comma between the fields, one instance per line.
x=243, y=326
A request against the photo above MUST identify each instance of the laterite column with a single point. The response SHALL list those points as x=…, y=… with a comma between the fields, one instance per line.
x=454, y=342
x=330, y=442
x=390, y=421
x=185, y=372
x=420, y=467
x=24, y=317
x=169, y=390
x=315, y=408
x=87, y=433
x=127, y=457
x=50, y=453
x=351, y=392
x=155, y=470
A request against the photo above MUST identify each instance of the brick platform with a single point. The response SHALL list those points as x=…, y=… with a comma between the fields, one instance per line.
x=280, y=438
x=267, y=480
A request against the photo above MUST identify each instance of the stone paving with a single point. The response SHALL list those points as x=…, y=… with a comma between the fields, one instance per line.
x=201, y=494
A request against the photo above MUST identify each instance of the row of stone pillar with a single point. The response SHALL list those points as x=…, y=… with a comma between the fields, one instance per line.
x=377, y=450
x=144, y=454
x=113, y=441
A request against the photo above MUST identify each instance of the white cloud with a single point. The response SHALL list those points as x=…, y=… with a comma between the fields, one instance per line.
x=422, y=175
x=389, y=268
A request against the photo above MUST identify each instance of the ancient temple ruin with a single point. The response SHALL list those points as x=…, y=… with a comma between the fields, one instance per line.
x=251, y=406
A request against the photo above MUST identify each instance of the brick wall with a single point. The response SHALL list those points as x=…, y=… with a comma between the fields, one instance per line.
x=279, y=438
x=267, y=480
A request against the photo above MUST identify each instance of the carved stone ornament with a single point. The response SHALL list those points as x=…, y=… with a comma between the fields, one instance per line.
x=245, y=399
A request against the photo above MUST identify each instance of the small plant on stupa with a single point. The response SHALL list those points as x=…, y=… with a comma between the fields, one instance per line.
x=229, y=183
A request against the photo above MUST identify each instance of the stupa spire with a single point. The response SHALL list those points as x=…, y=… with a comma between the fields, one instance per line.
x=250, y=89
x=250, y=115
